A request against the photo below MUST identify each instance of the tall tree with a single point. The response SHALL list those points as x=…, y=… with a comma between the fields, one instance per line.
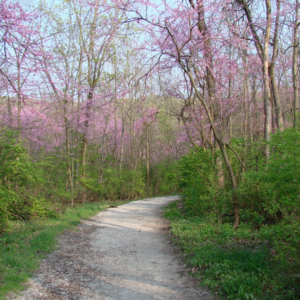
x=295, y=64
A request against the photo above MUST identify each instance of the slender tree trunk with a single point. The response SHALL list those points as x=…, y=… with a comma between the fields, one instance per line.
x=295, y=66
x=148, y=159
x=263, y=51
x=9, y=111
x=68, y=149
x=229, y=97
x=210, y=81
x=188, y=132
x=215, y=131
x=219, y=165
x=245, y=92
x=102, y=157
x=122, y=137
x=103, y=147
x=19, y=103
x=256, y=123
x=85, y=135
x=277, y=101
x=267, y=94
x=115, y=110
x=77, y=155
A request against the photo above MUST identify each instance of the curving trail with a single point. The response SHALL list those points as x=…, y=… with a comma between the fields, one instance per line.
x=121, y=253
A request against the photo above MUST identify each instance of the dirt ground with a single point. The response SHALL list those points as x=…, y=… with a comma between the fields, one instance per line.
x=121, y=253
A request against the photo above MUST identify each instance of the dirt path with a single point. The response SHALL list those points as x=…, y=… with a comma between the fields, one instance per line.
x=122, y=253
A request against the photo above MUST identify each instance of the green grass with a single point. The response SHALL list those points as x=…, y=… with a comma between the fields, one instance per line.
x=26, y=243
x=243, y=264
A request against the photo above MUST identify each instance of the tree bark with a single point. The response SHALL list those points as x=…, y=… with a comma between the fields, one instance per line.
x=85, y=135
x=210, y=81
x=277, y=101
x=263, y=54
x=267, y=93
x=295, y=65
x=148, y=159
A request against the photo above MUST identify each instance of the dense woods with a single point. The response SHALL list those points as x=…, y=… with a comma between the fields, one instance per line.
x=128, y=99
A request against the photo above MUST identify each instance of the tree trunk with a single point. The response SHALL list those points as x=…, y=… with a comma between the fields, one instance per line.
x=19, y=103
x=122, y=137
x=213, y=111
x=85, y=134
x=9, y=111
x=277, y=102
x=148, y=159
x=263, y=54
x=267, y=94
x=68, y=149
x=295, y=65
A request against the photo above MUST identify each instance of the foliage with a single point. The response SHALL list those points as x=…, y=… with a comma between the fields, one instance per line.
x=259, y=260
x=164, y=178
x=16, y=172
x=115, y=184
x=240, y=264
x=38, y=186
x=198, y=174
x=272, y=192
x=267, y=193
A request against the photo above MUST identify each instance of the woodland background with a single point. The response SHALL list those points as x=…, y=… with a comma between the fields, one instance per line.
x=127, y=99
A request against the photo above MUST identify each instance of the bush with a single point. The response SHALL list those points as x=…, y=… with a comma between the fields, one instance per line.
x=164, y=178
x=199, y=181
x=244, y=263
x=272, y=192
x=16, y=172
x=115, y=184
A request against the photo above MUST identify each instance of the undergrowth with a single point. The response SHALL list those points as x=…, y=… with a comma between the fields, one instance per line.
x=240, y=264
x=24, y=244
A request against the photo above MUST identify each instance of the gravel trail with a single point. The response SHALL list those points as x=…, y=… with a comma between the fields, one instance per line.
x=121, y=253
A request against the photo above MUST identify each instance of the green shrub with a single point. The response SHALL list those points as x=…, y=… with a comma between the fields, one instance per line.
x=164, y=178
x=244, y=263
x=272, y=192
x=115, y=184
x=199, y=181
x=132, y=184
x=40, y=208
x=16, y=172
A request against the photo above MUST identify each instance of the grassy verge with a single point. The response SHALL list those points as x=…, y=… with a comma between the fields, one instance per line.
x=243, y=264
x=26, y=243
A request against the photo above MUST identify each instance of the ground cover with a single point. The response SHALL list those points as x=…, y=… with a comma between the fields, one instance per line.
x=240, y=264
